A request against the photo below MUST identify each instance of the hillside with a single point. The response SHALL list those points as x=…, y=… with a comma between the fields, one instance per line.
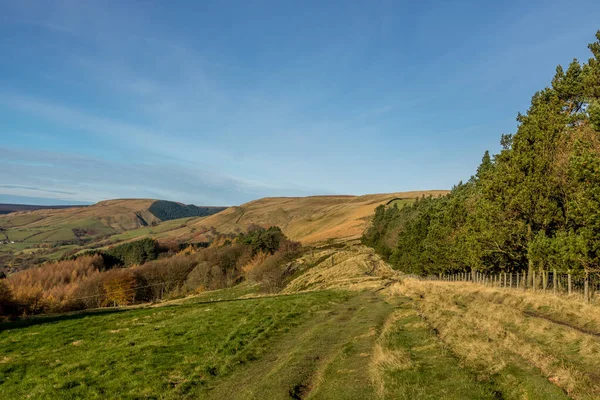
x=30, y=237
x=105, y=217
x=307, y=219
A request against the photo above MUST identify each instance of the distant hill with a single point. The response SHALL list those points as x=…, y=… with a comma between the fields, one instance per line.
x=29, y=237
x=169, y=210
x=306, y=219
x=9, y=208
x=59, y=224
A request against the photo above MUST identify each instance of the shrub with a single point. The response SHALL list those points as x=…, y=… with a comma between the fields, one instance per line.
x=164, y=277
x=260, y=239
x=137, y=252
x=274, y=270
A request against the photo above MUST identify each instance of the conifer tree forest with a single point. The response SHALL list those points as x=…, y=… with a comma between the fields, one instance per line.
x=534, y=207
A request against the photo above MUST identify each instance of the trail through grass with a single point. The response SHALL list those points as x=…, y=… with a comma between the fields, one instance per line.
x=412, y=363
x=326, y=358
x=403, y=340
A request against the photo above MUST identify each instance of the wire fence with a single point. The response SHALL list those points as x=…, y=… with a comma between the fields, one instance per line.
x=545, y=281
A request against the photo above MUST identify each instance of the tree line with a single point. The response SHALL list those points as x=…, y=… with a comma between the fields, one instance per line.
x=116, y=278
x=535, y=206
x=168, y=210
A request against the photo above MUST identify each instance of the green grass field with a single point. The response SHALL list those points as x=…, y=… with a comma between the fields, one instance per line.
x=400, y=202
x=154, y=231
x=222, y=344
x=164, y=352
x=388, y=338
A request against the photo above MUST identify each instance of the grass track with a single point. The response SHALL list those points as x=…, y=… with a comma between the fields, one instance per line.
x=416, y=365
x=326, y=358
x=432, y=343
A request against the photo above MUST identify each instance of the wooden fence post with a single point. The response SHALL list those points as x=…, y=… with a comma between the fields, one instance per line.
x=570, y=284
x=554, y=280
x=544, y=280
x=518, y=274
x=586, y=287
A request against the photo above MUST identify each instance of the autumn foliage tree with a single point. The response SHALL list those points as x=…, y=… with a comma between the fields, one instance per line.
x=119, y=287
x=88, y=281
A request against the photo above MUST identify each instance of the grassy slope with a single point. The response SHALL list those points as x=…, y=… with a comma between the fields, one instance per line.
x=44, y=227
x=51, y=225
x=379, y=338
x=530, y=345
x=313, y=345
x=168, y=230
x=172, y=351
x=412, y=363
x=307, y=219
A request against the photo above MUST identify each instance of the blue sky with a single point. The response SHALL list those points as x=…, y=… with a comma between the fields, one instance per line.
x=219, y=103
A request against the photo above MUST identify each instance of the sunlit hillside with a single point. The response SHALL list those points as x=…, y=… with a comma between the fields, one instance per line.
x=308, y=219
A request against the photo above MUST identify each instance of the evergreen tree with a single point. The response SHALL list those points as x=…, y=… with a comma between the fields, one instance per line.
x=536, y=203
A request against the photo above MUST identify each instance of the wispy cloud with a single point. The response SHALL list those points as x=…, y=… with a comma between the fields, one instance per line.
x=33, y=173
x=36, y=189
x=209, y=103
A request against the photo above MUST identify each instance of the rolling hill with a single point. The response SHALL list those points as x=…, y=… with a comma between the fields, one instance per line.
x=103, y=218
x=51, y=233
x=30, y=238
x=307, y=219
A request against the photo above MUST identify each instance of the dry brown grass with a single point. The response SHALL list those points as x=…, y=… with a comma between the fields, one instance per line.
x=119, y=214
x=255, y=261
x=354, y=267
x=385, y=359
x=492, y=328
x=310, y=219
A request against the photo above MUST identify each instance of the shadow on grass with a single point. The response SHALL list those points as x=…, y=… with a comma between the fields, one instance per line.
x=44, y=319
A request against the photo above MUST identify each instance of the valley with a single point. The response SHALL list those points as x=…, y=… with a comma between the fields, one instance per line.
x=29, y=238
